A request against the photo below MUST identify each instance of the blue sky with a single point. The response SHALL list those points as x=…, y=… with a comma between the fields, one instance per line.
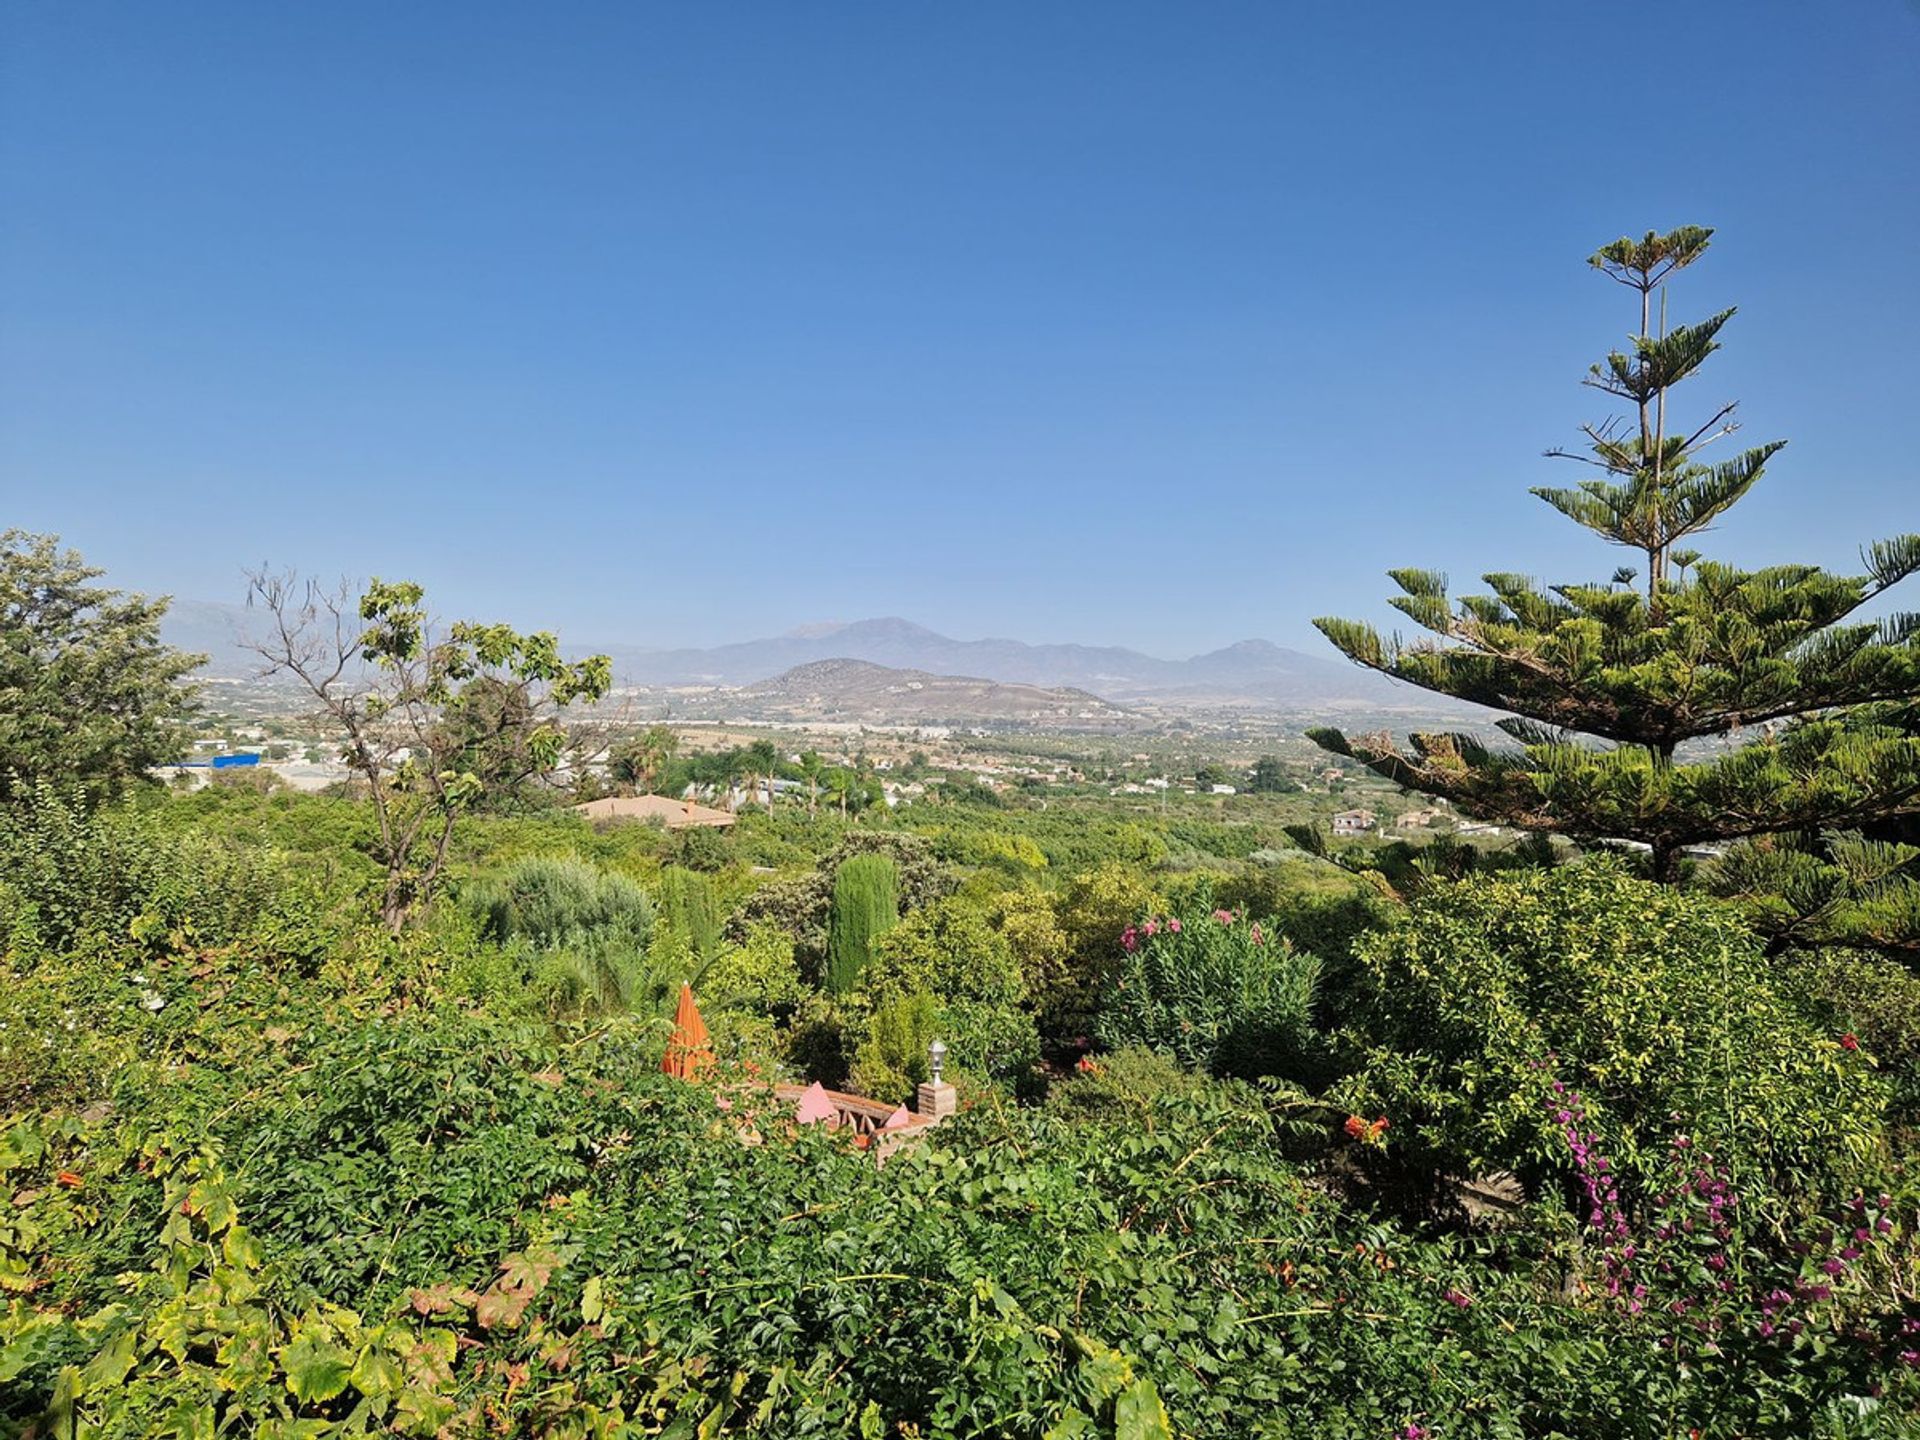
x=1162, y=325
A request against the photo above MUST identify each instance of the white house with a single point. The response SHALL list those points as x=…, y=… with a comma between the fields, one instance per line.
x=1353, y=822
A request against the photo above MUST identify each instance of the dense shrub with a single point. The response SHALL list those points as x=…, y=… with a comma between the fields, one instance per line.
x=802, y=905
x=553, y=900
x=71, y=879
x=1869, y=1001
x=574, y=939
x=280, y=1172
x=953, y=952
x=892, y=1058
x=1215, y=991
x=866, y=904
x=748, y=990
x=1130, y=1085
x=457, y=1228
x=702, y=847
x=1029, y=923
x=1649, y=1002
x=1093, y=909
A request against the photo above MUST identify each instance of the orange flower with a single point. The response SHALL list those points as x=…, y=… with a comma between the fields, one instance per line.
x=69, y=1179
x=1356, y=1127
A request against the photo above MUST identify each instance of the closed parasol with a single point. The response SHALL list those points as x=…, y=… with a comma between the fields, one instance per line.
x=689, y=1048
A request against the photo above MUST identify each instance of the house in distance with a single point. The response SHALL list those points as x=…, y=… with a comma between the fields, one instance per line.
x=1353, y=822
x=656, y=810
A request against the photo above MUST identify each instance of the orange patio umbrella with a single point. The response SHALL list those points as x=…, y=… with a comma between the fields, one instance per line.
x=689, y=1048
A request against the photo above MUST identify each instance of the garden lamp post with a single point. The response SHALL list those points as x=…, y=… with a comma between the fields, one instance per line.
x=936, y=1099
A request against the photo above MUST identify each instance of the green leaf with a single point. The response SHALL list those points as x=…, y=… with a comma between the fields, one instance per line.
x=1139, y=1415
x=241, y=1249
x=317, y=1369
x=189, y=1421
x=376, y=1373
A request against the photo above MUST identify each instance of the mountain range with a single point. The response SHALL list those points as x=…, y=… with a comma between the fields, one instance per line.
x=858, y=691
x=1251, y=672
x=1254, y=674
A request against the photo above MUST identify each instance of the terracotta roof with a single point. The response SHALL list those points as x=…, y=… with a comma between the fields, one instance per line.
x=674, y=814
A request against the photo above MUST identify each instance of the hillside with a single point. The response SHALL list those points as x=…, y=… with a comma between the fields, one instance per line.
x=858, y=690
x=1250, y=674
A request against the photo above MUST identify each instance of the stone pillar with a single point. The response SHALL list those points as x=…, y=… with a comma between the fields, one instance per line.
x=936, y=1100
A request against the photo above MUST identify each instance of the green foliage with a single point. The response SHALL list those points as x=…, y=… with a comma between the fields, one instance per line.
x=1028, y=922
x=276, y=1170
x=1649, y=1003
x=1094, y=908
x=690, y=906
x=1833, y=889
x=115, y=881
x=1269, y=777
x=951, y=948
x=1706, y=649
x=636, y=761
x=865, y=906
x=1870, y=1001
x=446, y=721
x=748, y=991
x=576, y=939
x=1130, y=1085
x=90, y=697
x=702, y=847
x=551, y=900
x=892, y=1059
x=802, y=905
x=953, y=951
x=531, y=1248
x=1216, y=992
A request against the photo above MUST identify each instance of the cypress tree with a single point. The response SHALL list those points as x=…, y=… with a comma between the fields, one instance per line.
x=1776, y=692
x=865, y=905
x=687, y=899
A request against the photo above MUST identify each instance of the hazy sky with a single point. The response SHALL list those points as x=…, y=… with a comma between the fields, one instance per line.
x=1160, y=324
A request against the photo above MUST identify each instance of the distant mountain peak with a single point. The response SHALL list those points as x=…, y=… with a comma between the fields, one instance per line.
x=1264, y=648
x=1250, y=674
x=891, y=627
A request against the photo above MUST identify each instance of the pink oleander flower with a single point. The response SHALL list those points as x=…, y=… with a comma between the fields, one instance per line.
x=1129, y=939
x=1173, y=926
x=1225, y=917
x=1152, y=927
x=1258, y=938
x=1455, y=1298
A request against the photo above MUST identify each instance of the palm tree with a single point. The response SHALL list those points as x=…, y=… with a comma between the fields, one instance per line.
x=637, y=761
x=842, y=787
x=810, y=766
x=762, y=759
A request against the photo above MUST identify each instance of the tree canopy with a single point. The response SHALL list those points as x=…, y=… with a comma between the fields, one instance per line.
x=91, y=698
x=1604, y=682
